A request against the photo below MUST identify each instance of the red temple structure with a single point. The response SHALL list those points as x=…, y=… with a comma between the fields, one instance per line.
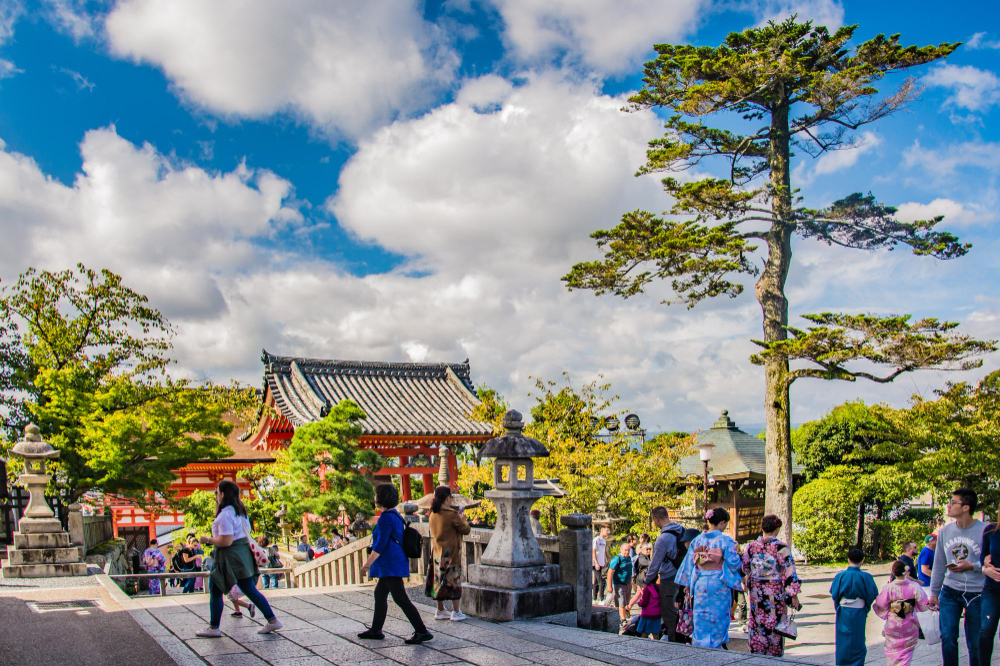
x=412, y=409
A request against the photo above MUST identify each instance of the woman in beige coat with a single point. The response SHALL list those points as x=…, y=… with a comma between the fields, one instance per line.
x=444, y=580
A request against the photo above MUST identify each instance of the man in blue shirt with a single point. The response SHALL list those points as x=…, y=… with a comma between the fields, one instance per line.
x=925, y=562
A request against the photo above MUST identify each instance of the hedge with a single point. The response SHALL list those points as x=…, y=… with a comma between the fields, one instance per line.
x=826, y=519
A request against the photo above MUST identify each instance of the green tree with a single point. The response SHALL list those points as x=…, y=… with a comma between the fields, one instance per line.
x=324, y=468
x=798, y=88
x=826, y=510
x=957, y=434
x=85, y=357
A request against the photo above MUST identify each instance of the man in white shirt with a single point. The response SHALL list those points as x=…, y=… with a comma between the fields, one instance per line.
x=599, y=555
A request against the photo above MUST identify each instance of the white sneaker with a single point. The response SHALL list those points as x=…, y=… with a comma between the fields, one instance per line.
x=273, y=625
x=442, y=615
x=209, y=633
x=458, y=616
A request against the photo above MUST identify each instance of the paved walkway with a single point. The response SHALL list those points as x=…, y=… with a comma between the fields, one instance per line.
x=101, y=633
x=320, y=628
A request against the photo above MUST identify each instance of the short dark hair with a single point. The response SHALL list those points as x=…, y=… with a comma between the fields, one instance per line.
x=770, y=523
x=386, y=495
x=968, y=496
x=855, y=556
x=152, y=542
x=718, y=515
x=659, y=513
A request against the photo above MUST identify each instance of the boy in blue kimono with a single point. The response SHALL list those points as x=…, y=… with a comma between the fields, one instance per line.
x=853, y=593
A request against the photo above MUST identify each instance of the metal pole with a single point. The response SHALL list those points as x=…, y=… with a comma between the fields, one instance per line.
x=705, y=483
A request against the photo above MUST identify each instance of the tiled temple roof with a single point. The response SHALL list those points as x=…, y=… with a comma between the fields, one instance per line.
x=736, y=454
x=404, y=399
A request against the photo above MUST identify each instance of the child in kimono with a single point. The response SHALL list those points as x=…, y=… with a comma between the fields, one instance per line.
x=710, y=571
x=853, y=592
x=898, y=603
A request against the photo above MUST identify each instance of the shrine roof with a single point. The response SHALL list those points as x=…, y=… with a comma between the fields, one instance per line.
x=736, y=454
x=400, y=399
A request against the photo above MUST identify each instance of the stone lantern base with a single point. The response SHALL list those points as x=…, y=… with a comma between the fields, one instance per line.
x=502, y=605
x=41, y=549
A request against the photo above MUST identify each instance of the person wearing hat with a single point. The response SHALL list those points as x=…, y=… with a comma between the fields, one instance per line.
x=925, y=561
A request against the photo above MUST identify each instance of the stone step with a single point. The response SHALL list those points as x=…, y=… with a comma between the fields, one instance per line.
x=49, y=540
x=43, y=570
x=42, y=555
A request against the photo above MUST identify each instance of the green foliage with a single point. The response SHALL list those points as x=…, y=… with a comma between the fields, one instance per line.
x=957, y=434
x=199, y=512
x=889, y=537
x=838, y=339
x=324, y=468
x=594, y=471
x=826, y=516
x=929, y=517
x=85, y=357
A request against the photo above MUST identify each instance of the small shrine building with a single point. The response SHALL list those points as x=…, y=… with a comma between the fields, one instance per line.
x=739, y=469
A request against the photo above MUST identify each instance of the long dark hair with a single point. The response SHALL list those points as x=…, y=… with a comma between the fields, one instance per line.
x=441, y=493
x=231, y=497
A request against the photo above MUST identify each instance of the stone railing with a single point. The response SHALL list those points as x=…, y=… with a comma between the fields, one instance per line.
x=338, y=567
x=86, y=532
x=182, y=575
x=473, y=545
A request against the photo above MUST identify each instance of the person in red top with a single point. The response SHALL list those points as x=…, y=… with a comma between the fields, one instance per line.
x=650, y=622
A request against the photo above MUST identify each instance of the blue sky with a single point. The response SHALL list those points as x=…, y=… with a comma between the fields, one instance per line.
x=408, y=180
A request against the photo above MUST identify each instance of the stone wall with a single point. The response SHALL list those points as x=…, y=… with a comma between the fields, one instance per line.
x=110, y=556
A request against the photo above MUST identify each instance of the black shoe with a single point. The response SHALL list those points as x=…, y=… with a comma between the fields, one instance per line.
x=369, y=633
x=419, y=637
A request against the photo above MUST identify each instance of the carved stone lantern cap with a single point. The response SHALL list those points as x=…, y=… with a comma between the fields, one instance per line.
x=512, y=444
x=31, y=447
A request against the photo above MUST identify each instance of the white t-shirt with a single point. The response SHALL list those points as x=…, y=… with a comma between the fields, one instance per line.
x=601, y=550
x=227, y=522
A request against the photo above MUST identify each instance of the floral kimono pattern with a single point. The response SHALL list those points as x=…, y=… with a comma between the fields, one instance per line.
x=447, y=578
x=711, y=570
x=154, y=562
x=898, y=603
x=771, y=581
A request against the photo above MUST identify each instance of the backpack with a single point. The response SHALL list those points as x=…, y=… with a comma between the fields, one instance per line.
x=681, y=548
x=413, y=543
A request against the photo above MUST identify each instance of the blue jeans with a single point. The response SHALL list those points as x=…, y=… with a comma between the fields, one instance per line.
x=189, y=582
x=270, y=580
x=216, y=604
x=951, y=602
x=991, y=620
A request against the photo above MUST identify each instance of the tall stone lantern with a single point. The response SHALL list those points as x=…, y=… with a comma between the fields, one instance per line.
x=512, y=580
x=41, y=547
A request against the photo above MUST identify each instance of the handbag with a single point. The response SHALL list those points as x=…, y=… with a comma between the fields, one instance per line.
x=259, y=554
x=929, y=625
x=786, y=627
x=685, y=617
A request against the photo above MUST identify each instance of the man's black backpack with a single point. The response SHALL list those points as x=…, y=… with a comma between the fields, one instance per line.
x=413, y=543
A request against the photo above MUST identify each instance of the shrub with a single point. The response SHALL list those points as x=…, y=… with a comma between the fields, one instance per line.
x=826, y=519
x=889, y=536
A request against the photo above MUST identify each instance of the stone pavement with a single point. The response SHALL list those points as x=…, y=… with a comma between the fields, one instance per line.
x=320, y=628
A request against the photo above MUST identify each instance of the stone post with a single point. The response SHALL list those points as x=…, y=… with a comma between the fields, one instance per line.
x=575, y=569
x=76, y=534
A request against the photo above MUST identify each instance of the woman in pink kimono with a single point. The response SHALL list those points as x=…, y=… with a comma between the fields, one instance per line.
x=898, y=603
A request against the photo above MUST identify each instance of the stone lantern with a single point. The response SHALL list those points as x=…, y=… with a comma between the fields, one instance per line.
x=512, y=580
x=41, y=547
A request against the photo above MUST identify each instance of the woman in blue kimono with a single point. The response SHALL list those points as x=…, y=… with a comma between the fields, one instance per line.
x=710, y=572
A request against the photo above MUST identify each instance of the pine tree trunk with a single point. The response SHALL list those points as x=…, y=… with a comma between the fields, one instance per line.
x=770, y=290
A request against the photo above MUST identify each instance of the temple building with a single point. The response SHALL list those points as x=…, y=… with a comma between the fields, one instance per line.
x=737, y=476
x=412, y=409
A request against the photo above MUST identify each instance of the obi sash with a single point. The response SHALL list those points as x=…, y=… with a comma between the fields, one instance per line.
x=902, y=607
x=852, y=603
x=708, y=559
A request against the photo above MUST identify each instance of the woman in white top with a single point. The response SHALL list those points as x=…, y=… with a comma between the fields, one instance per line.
x=234, y=561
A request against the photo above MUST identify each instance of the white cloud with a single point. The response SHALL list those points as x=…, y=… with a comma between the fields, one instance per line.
x=955, y=213
x=972, y=88
x=979, y=41
x=829, y=13
x=609, y=36
x=945, y=161
x=73, y=18
x=835, y=160
x=344, y=67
